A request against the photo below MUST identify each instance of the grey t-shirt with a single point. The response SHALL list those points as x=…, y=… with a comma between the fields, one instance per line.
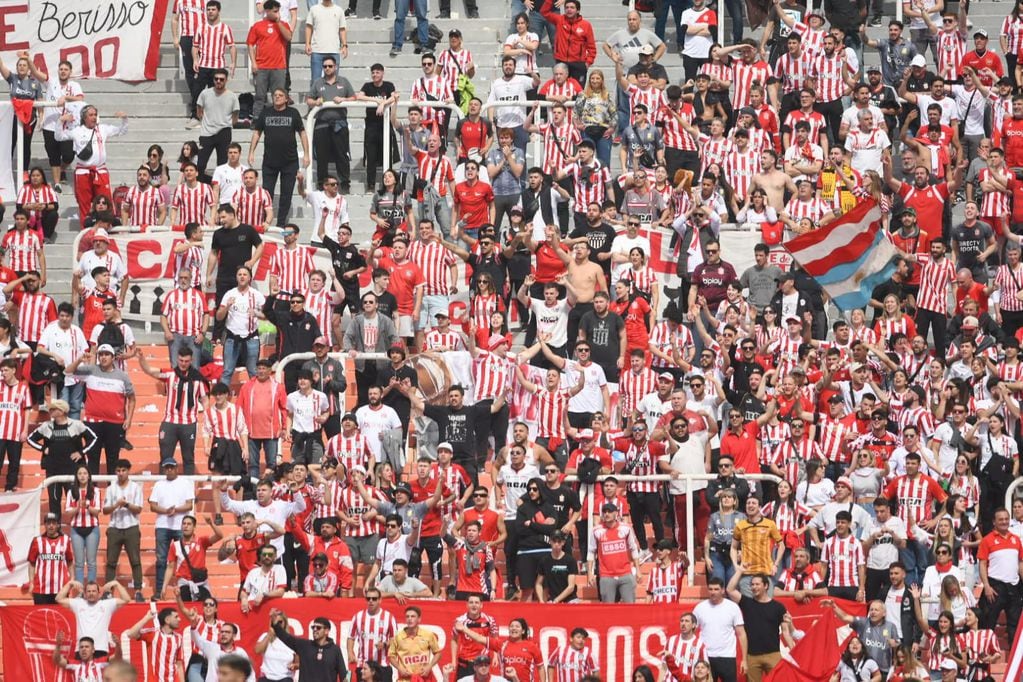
x=628, y=44
x=24, y=88
x=217, y=111
x=762, y=284
x=970, y=242
x=410, y=586
x=408, y=512
x=875, y=640
x=328, y=91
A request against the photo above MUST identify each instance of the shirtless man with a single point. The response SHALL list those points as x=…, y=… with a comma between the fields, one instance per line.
x=536, y=455
x=583, y=279
x=774, y=181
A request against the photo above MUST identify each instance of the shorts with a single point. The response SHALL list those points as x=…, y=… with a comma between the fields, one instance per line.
x=432, y=305
x=527, y=566
x=363, y=550
x=404, y=326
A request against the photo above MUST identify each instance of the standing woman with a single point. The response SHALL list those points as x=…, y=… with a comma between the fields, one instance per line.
x=1011, y=40
x=595, y=115
x=39, y=199
x=64, y=444
x=82, y=512
x=999, y=463
x=26, y=83
x=641, y=276
x=522, y=45
x=484, y=302
x=391, y=209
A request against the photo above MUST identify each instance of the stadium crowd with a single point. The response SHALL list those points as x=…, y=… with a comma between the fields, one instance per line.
x=890, y=434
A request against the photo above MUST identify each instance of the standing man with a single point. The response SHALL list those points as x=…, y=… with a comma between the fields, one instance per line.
x=574, y=44
x=320, y=658
x=326, y=35
x=383, y=93
x=15, y=415
x=371, y=630
x=61, y=90
x=330, y=131
x=189, y=16
x=269, y=42
x=183, y=316
x=109, y=403
x=186, y=392
x=613, y=545
x=280, y=123
x=721, y=626
x=1001, y=565
x=217, y=109
x=90, y=144
x=623, y=47
x=763, y=617
x=123, y=502
x=212, y=38
x=414, y=651
x=170, y=499
x=263, y=402
x=49, y=562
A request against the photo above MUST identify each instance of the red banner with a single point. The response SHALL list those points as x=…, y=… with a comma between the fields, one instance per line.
x=621, y=636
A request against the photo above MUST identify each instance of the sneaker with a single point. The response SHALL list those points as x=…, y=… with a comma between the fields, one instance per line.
x=350, y=12
x=376, y=16
x=395, y=51
x=59, y=188
x=874, y=21
x=444, y=14
x=617, y=140
x=193, y=124
x=474, y=14
x=126, y=444
x=139, y=598
x=418, y=50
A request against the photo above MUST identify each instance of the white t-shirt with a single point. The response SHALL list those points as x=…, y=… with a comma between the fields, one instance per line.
x=513, y=90
x=69, y=344
x=949, y=108
x=688, y=459
x=54, y=91
x=172, y=494
x=623, y=243
x=327, y=23
x=93, y=620
x=109, y=260
x=947, y=452
x=523, y=63
x=514, y=483
x=551, y=320
x=305, y=408
x=866, y=149
x=815, y=494
x=258, y=583
x=212, y=652
x=652, y=408
x=242, y=310
x=884, y=552
x=851, y=117
x=698, y=46
x=717, y=626
x=388, y=551
x=228, y=180
x=337, y=211
x=590, y=399
x=825, y=519
x=372, y=423
x=276, y=660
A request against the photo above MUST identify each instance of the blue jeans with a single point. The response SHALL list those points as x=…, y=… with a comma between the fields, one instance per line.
x=916, y=560
x=75, y=397
x=194, y=671
x=232, y=349
x=422, y=22
x=603, y=145
x=676, y=7
x=316, y=63
x=719, y=570
x=85, y=552
x=164, y=538
x=735, y=14
x=269, y=447
x=179, y=342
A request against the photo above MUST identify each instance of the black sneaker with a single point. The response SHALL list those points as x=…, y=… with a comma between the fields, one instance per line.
x=126, y=444
x=395, y=51
x=139, y=598
x=376, y=16
x=874, y=21
x=418, y=50
x=446, y=14
x=474, y=14
x=218, y=519
x=350, y=12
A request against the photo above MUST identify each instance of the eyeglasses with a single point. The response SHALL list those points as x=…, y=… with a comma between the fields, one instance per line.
x=943, y=551
x=879, y=418
x=485, y=243
x=697, y=384
x=219, y=80
x=750, y=347
x=797, y=426
x=582, y=350
x=369, y=303
x=210, y=605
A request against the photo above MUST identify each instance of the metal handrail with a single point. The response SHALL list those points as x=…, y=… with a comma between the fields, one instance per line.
x=1009, y=493
x=142, y=478
x=525, y=104
x=310, y=122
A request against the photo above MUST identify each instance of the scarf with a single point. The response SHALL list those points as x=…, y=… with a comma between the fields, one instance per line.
x=473, y=557
x=184, y=397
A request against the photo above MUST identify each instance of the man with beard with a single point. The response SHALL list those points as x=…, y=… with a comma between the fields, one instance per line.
x=928, y=200
x=1010, y=136
x=375, y=420
x=457, y=424
x=348, y=264
x=296, y=330
x=598, y=234
x=604, y=330
x=861, y=100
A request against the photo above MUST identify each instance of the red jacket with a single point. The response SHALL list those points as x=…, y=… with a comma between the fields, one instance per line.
x=253, y=390
x=574, y=40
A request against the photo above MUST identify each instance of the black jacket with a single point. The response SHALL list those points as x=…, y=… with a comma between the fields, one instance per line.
x=740, y=486
x=533, y=535
x=316, y=663
x=295, y=334
x=907, y=616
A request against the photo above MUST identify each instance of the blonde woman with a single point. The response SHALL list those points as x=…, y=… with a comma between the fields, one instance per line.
x=595, y=115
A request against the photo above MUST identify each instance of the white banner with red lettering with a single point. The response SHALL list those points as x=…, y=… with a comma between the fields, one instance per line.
x=101, y=38
x=19, y=524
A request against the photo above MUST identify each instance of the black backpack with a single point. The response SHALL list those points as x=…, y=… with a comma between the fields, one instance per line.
x=588, y=470
x=110, y=333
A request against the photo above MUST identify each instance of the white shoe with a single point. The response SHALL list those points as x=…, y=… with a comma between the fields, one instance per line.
x=192, y=124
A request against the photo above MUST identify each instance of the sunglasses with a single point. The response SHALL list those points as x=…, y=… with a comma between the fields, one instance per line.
x=330, y=184
x=372, y=598
x=582, y=350
x=316, y=627
x=943, y=551
x=552, y=471
x=297, y=301
x=633, y=224
x=392, y=525
x=712, y=251
x=533, y=489
x=479, y=495
x=210, y=605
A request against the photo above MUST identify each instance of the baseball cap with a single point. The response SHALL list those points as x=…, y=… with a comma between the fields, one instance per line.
x=454, y=33
x=666, y=376
x=748, y=111
x=907, y=209
x=949, y=664
x=608, y=507
x=844, y=480
x=646, y=49
x=970, y=322
x=51, y=517
x=481, y=659
x=441, y=314
x=584, y=434
x=558, y=536
x=320, y=341
x=403, y=488
x=793, y=320
x=100, y=235
x=169, y=462
x=396, y=347
x=350, y=417
x=856, y=366
x=105, y=348
x=980, y=32
x=445, y=446
x=919, y=60
x=835, y=399
x=873, y=68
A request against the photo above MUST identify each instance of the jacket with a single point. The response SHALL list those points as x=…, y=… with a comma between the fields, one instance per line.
x=316, y=663
x=249, y=393
x=332, y=377
x=387, y=336
x=574, y=41
x=294, y=334
x=535, y=535
x=907, y=616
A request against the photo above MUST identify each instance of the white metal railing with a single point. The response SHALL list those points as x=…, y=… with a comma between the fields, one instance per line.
x=140, y=478
x=1009, y=493
x=537, y=140
x=310, y=124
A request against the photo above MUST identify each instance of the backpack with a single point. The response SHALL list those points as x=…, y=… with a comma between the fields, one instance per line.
x=588, y=470
x=110, y=333
x=434, y=36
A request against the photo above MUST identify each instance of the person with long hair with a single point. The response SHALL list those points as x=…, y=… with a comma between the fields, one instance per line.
x=967, y=532
x=944, y=644
x=643, y=673
x=907, y=665
x=867, y=480
x=28, y=84
x=961, y=481
x=1009, y=40
x=641, y=277
x=517, y=651
x=206, y=623
x=999, y=462
x=39, y=199
x=383, y=475
x=159, y=173
x=816, y=491
x=718, y=540
x=855, y=665
x=189, y=154
x=596, y=114
x=756, y=212
x=944, y=565
x=484, y=301
x=391, y=209
x=66, y=443
x=371, y=671
x=82, y=513
x=10, y=345
x=791, y=516
x=535, y=520
x=721, y=74
x=893, y=321
x=522, y=45
x=955, y=600
x=497, y=325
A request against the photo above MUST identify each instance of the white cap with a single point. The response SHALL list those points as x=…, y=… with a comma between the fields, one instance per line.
x=105, y=348
x=445, y=446
x=919, y=60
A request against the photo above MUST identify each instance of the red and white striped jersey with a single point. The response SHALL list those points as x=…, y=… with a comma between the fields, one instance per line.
x=559, y=142
x=371, y=633
x=713, y=150
x=831, y=73
x=192, y=260
x=886, y=327
x=663, y=582
x=1012, y=29
x=633, y=387
x=436, y=339
x=682, y=655
x=792, y=581
x=330, y=498
x=1009, y=282
x=652, y=98
x=193, y=203
x=938, y=644
x=291, y=267
x=482, y=306
x=642, y=280
x=22, y=249
x=1001, y=109
x=787, y=350
x=82, y=518
x=435, y=261
x=674, y=135
x=591, y=189
x=191, y=17
x=87, y=672
x=813, y=38
x=920, y=417
x=916, y=497
x=842, y=557
x=993, y=204
x=212, y=40
x=792, y=72
x=437, y=88
x=570, y=88
x=935, y=279
x=570, y=664
x=354, y=506
x=454, y=478
x=453, y=63
x=144, y=205
x=14, y=400
x=166, y=651
x=50, y=557
x=205, y=629
x=952, y=49
x=664, y=339
x=252, y=208
x=225, y=423
x=35, y=312
x=740, y=167
x=491, y=375
x=43, y=194
x=351, y=450
x=969, y=486
x=864, y=334
x=184, y=310
x=771, y=437
x=815, y=119
x=787, y=518
x=435, y=168
x=320, y=304
x=788, y=454
x=746, y=76
x=719, y=72
x=814, y=209
x=980, y=642
x=642, y=460
x=758, y=138
x=551, y=410
x=181, y=408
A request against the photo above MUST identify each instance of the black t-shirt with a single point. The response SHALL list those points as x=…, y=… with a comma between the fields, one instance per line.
x=395, y=398
x=603, y=335
x=279, y=128
x=493, y=265
x=345, y=259
x=557, y=574
x=387, y=304
x=657, y=72
x=234, y=246
x=564, y=500
x=599, y=238
x=763, y=621
x=385, y=89
x=457, y=427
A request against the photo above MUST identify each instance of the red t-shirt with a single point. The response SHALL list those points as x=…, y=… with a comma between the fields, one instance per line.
x=634, y=313
x=473, y=203
x=269, y=43
x=421, y=493
x=598, y=453
x=929, y=204
x=246, y=551
x=1016, y=187
x=978, y=63
x=404, y=280
x=975, y=292
x=742, y=448
x=196, y=550
x=548, y=265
